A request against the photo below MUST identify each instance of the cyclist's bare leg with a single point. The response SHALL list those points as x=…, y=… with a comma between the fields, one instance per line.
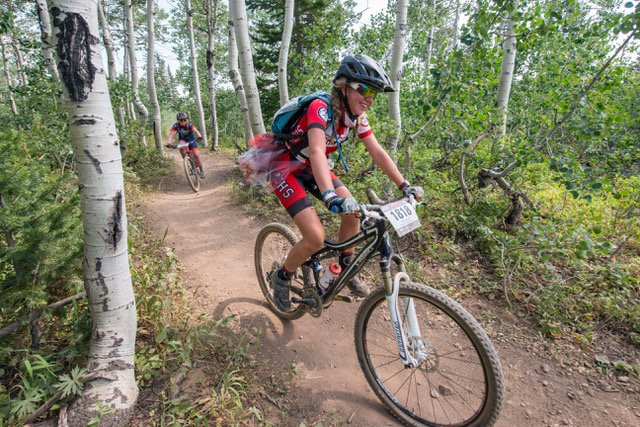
x=183, y=151
x=196, y=156
x=312, y=238
x=350, y=223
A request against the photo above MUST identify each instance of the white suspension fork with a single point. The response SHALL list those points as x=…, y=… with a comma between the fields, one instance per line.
x=396, y=319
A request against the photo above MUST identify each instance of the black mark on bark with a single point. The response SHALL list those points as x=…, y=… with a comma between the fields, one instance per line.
x=98, y=264
x=96, y=162
x=84, y=122
x=104, y=286
x=114, y=233
x=74, y=54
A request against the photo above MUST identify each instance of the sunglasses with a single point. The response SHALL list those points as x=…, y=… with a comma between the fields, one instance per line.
x=364, y=90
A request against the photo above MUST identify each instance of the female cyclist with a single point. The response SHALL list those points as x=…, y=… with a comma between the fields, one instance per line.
x=187, y=133
x=355, y=85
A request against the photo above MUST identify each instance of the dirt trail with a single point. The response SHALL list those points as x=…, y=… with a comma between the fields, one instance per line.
x=214, y=240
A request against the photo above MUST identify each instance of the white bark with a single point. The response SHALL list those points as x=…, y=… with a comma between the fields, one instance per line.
x=236, y=80
x=111, y=58
x=212, y=23
x=506, y=73
x=427, y=63
x=19, y=61
x=107, y=279
x=399, y=42
x=141, y=110
x=194, y=69
x=456, y=28
x=248, y=75
x=284, y=51
x=151, y=78
x=7, y=76
x=45, y=37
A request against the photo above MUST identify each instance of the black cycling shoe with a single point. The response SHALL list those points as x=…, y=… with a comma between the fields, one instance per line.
x=281, y=289
x=358, y=288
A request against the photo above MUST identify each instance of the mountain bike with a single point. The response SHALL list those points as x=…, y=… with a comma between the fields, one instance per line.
x=190, y=167
x=425, y=357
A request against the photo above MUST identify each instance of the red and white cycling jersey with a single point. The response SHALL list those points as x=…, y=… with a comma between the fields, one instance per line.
x=317, y=116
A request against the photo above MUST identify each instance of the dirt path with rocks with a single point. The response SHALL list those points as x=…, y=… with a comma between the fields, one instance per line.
x=548, y=383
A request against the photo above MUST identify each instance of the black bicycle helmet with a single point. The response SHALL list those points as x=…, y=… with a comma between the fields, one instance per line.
x=364, y=69
x=181, y=115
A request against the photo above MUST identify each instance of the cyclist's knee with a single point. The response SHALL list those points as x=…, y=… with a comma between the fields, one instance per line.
x=313, y=239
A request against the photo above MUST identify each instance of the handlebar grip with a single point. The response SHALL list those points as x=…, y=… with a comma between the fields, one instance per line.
x=336, y=209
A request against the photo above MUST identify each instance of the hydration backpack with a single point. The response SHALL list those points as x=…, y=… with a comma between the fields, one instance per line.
x=286, y=118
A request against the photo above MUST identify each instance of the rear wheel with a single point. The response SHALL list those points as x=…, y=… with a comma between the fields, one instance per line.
x=191, y=170
x=458, y=380
x=272, y=247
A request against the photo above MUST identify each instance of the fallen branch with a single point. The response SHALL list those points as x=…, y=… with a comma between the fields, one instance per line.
x=36, y=314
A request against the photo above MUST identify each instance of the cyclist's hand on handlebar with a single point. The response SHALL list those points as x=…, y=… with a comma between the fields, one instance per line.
x=416, y=192
x=170, y=146
x=344, y=205
x=199, y=139
x=410, y=191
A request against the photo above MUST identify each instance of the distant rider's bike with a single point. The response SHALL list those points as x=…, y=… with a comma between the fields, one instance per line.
x=190, y=167
x=425, y=357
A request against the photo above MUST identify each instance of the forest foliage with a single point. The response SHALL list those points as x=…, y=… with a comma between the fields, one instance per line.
x=571, y=149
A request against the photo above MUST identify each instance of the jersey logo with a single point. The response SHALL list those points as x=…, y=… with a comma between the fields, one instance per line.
x=324, y=114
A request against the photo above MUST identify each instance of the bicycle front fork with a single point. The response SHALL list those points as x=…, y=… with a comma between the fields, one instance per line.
x=411, y=348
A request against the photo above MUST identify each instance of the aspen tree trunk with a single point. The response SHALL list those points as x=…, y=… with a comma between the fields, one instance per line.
x=19, y=62
x=111, y=57
x=141, y=110
x=194, y=69
x=284, y=51
x=151, y=78
x=506, y=73
x=7, y=76
x=111, y=380
x=212, y=23
x=456, y=28
x=248, y=75
x=126, y=71
x=427, y=63
x=399, y=41
x=45, y=37
x=236, y=80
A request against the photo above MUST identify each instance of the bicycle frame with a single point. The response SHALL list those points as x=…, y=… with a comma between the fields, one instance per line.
x=379, y=240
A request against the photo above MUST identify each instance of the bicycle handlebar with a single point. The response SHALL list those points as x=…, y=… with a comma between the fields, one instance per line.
x=374, y=211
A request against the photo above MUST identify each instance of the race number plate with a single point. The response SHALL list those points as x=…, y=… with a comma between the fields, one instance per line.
x=402, y=216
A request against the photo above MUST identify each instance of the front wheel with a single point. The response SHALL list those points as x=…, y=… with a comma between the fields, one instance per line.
x=458, y=379
x=272, y=247
x=191, y=170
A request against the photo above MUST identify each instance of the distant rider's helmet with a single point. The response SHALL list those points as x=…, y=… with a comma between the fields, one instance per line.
x=364, y=69
x=181, y=115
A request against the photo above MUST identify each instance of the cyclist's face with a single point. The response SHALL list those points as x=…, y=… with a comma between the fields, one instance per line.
x=357, y=101
x=182, y=122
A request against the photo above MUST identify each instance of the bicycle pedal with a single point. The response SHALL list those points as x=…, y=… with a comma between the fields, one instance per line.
x=345, y=298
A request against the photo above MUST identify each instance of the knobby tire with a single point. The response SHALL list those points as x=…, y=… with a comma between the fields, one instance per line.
x=458, y=383
x=273, y=244
x=191, y=170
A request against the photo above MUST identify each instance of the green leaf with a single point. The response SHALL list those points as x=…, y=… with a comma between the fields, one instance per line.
x=623, y=366
x=162, y=335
